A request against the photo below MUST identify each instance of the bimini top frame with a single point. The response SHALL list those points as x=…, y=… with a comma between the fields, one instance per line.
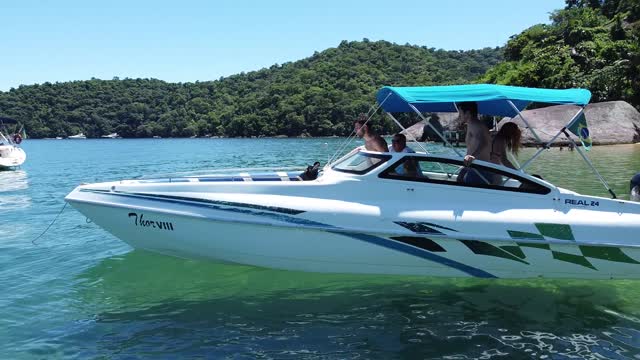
x=493, y=100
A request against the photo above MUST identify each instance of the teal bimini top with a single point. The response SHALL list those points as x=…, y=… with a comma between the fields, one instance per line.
x=491, y=99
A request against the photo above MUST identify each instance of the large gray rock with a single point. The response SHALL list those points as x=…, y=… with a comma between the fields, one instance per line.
x=612, y=122
x=441, y=121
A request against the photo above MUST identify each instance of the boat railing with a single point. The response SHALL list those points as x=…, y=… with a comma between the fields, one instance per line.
x=220, y=172
x=3, y=139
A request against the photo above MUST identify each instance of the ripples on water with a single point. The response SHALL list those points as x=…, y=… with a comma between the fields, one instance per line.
x=256, y=312
x=79, y=292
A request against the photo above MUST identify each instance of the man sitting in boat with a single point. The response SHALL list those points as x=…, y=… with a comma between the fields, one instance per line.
x=372, y=141
x=399, y=145
x=478, y=141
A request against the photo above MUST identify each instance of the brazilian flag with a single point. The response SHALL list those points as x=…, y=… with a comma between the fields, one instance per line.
x=580, y=129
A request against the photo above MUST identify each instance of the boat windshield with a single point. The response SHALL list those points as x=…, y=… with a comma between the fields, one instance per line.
x=360, y=163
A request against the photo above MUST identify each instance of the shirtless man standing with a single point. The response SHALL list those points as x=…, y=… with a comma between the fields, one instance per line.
x=478, y=139
x=372, y=141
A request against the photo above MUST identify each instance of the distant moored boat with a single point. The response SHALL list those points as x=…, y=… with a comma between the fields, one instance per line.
x=112, y=136
x=11, y=154
x=78, y=136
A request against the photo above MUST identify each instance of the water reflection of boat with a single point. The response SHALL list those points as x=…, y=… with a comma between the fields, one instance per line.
x=11, y=195
x=11, y=154
x=362, y=215
x=13, y=180
x=249, y=301
x=153, y=279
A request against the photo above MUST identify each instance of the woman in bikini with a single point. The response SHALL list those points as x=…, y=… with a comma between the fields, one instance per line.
x=507, y=139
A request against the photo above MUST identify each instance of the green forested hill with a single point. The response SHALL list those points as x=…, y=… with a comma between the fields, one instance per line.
x=319, y=95
x=593, y=44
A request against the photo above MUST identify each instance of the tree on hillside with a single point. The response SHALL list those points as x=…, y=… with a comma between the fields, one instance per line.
x=590, y=43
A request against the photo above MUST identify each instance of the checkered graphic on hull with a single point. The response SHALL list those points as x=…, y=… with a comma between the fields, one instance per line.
x=515, y=252
x=563, y=232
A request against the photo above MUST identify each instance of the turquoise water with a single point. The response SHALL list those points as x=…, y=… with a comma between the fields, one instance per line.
x=78, y=292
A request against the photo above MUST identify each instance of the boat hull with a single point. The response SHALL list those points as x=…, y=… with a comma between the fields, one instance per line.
x=11, y=157
x=237, y=235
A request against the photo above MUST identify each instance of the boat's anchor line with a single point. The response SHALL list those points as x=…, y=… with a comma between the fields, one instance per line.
x=51, y=224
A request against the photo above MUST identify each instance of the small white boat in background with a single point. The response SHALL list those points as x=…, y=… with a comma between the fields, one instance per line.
x=112, y=136
x=367, y=213
x=11, y=154
x=78, y=136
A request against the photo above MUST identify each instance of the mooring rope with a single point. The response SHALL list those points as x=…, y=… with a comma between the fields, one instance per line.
x=48, y=227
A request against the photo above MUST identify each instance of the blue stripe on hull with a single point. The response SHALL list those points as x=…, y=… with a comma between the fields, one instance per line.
x=266, y=179
x=419, y=253
x=221, y=179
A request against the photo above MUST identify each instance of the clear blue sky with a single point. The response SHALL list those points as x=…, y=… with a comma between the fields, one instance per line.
x=185, y=41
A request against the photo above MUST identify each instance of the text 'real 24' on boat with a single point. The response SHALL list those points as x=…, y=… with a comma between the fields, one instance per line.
x=361, y=216
x=11, y=154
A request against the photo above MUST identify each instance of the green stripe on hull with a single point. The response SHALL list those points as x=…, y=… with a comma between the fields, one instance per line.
x=515, y=250
x=524, y=235
x=556, y=231
x=574, y=259
x=483, y=248
x=607, y=253
x=537, y=246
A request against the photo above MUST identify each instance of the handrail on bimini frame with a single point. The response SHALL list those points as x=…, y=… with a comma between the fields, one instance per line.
x=553, y=139
x=535, y=135
x=434, y=129
x=353, y=134
x=586, y=159
x=405, y=130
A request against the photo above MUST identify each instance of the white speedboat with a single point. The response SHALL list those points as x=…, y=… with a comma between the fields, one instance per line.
x=78, y=136
x=11, y=154
x=111, y=136
x=361, y=216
